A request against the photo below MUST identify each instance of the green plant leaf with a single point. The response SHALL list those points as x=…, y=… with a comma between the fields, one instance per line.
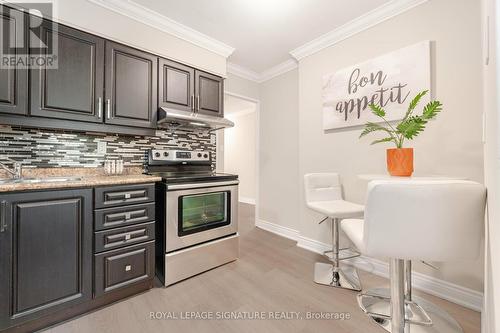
x=432, y=109
x=411, y=127
x=373, y=127
x=414, y=103
x=383, y=140
x=377, y=110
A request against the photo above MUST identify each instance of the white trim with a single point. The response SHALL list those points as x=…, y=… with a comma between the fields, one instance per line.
x=250, y=201
x=357, y=25
x=466, y=297
x=239, y=113
x=277, y=229
x=242, y=72
x=264, y=76
x=153, y=19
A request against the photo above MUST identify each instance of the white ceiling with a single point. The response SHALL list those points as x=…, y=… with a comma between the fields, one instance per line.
x=263, y=32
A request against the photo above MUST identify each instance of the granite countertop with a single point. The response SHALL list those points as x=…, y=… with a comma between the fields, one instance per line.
x=89, y=177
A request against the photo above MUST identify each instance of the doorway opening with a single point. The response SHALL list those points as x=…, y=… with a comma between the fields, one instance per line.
x=237, y=146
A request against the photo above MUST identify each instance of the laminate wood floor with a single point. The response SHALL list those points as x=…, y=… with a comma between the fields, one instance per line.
x=272, y=275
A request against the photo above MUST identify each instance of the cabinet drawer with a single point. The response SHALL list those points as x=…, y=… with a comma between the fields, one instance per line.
x=121, y=268
x=123, y=195
x=123, y=216
x=120, y=237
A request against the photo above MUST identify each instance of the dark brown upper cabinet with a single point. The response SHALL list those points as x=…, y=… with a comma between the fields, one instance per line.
x=175, y=86
x=74, y=90
x=46, y=247
x=209, y=90
x=13, y=81
x=131, y=86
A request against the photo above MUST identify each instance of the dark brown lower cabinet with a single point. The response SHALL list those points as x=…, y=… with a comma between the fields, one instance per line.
x=46, y=253
x=124, y=267
x=56, y=263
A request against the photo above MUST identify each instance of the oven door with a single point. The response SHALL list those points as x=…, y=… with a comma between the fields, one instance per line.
x=198, y=213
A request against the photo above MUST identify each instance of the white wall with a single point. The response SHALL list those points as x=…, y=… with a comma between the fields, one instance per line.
x=240, y=86
x=278, y=166
x=491, y=319
x=451, y=145
x=240, y=152
x=87, y=16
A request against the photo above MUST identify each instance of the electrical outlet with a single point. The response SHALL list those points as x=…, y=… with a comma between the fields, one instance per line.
x=101, y=148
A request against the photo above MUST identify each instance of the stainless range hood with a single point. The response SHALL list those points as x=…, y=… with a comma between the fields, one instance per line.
x=175, y=118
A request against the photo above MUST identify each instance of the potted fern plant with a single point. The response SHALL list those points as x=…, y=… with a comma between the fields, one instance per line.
x=399, y=159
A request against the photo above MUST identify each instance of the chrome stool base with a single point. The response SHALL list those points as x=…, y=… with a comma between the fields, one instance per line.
x=376, y=303
x=345, y=277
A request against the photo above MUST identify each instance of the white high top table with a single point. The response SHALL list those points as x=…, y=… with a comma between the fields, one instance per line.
x=370, y=177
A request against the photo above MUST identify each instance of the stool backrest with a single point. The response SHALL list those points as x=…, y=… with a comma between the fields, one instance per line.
x=424, y=220
x=322, y=187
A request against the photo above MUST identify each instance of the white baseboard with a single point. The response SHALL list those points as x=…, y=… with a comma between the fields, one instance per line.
x=466, y=297
x=250, y=201
x=277, y=229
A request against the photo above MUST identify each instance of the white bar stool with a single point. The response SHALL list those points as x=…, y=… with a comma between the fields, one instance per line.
x=323, y=194
x=416, y=220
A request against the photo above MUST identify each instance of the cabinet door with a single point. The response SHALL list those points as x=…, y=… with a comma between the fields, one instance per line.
x=46, y=261
x=175, y=86
x=13, y=80
x=209, y=92
x=131, y=86
x=74, y=90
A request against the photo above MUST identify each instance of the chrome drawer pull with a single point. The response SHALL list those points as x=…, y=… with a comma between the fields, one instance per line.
x=128, y=268
x=139, y=194
x=126, y=216
x=128, y=236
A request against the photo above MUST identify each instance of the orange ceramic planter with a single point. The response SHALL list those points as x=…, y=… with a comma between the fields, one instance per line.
x=400, y=161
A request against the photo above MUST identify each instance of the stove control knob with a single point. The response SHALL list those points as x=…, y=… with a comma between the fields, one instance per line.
x=199, y=154
x=157, y=154
x=205, y=155
x=165, y=153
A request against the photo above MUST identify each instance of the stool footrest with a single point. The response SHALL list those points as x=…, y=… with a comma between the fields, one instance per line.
x=342, y=256
x=411, y=309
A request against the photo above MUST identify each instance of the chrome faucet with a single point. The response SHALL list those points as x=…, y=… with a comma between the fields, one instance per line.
x=17, y=169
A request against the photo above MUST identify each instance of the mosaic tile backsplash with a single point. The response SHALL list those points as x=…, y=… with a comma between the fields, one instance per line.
x=40, y=148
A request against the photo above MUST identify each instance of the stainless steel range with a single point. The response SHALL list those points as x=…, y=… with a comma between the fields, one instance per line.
x=197, y=214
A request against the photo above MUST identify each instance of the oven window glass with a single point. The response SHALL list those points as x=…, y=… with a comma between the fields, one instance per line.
x=203, y=211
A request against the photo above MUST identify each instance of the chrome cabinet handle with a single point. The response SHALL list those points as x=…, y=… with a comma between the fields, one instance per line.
x=99, y=108
x=192, y=103
x=128, y=268
x=3, y=220
x=108, y=108
x=198, y=103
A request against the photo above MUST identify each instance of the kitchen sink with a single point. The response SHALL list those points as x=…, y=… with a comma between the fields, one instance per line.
x=27, y=180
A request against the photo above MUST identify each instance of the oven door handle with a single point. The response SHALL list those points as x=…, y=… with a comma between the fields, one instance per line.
x=200, y=185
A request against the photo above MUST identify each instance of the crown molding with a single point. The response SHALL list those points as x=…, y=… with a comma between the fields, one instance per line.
x=242, y=72
x=279, y=69
x=153, y=19
x=264, y=76
x=363, y=22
